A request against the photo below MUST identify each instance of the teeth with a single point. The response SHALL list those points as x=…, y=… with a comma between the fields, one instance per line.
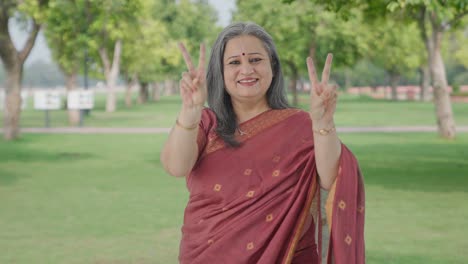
x=248, y=81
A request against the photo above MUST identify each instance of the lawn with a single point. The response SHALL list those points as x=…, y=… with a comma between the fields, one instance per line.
x=351, y=111
x=105, y=199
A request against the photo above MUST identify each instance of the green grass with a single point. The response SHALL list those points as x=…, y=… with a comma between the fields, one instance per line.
x=351, y=111
x=87, y=199
x=152, y=114
x=364, y=111
x=416, y=197
x=105, y=199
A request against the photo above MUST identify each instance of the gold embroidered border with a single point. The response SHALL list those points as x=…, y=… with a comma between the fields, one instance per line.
x=300, y=226
x=252, y=127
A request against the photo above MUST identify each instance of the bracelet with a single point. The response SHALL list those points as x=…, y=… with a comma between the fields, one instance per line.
x=188, y=128
x=324, y=131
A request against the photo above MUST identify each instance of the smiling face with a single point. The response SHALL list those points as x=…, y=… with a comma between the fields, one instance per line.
x=247, y=69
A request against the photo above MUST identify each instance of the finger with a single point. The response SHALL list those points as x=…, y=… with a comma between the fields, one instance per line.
x=312, y=72
x=201, y=60
x=185, y=54
x=326, y=69
x=330, y=88
x=187, y=80
x=195, y=84
x=185, y=90
x=325, y=95
x=187, y=85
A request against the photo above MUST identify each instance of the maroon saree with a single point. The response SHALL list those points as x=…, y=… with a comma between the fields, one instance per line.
x=258, y=203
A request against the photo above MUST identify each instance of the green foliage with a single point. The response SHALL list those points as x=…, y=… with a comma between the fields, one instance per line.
x=443, y=10
x=396, y=47
x=458, y=43
x=148, y=47
x=302, y=28
x=190, y=22
x=66, y=34
x=35, y=9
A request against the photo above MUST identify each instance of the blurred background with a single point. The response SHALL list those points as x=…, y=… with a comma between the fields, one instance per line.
x=89, y=90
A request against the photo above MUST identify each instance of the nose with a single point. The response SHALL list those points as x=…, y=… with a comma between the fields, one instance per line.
x=247, y=68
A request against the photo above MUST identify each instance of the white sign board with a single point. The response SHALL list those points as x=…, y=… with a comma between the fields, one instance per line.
x=80, y=99
x=24, y=99
x=47, y=100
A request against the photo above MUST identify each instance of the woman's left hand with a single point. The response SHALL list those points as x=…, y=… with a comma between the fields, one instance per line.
x=322, y=95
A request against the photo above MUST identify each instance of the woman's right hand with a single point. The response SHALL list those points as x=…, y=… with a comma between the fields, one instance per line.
x=193, y=83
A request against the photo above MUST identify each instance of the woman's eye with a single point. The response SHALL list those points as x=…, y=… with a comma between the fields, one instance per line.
x=234, y=62
x=254, y=60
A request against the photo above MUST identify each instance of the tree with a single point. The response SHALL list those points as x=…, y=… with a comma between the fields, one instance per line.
x=434, y=17
x=315, y=32
x=149, y=50
x=64, y=31
x=108, y=24
x=32, y=12
x=396, y=48
x=190, y=22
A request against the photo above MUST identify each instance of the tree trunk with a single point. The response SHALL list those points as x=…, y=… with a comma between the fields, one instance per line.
x=169, y=87
x=292, y=88
x=425, y=83
x=293, y=82
x=70, y=84
x=143, y=93
x=156, y=92
x=443, y=105
x=111, y=73
x=348, y=81
x=12, y=109
x=131, y=82
x=394, y=81
x=128, y=94
x=111, y=100
x=13, y=61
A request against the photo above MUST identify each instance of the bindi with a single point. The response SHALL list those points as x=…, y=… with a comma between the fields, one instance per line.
x=243, y=54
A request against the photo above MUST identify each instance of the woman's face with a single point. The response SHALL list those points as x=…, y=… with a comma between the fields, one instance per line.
x=247, y=69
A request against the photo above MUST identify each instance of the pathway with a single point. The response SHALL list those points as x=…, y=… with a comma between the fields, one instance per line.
x=156, y=130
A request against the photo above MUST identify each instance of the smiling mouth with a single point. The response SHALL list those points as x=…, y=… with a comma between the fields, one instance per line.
x=248, y=82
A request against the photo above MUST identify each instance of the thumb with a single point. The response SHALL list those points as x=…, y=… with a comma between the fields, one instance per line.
x=196, y=82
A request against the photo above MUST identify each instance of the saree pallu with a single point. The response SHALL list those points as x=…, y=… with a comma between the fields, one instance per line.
x=258, y=203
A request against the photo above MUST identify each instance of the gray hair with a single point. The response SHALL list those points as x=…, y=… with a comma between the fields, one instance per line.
x=219, y=100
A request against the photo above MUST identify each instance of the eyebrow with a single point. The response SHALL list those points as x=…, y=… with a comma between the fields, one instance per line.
x=252, y=53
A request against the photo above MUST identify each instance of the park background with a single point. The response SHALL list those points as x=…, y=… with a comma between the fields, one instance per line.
x=90, y=187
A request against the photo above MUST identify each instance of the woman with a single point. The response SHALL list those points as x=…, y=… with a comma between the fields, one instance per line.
x=254, y=166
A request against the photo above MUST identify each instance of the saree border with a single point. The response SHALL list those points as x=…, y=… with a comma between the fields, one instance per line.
x=251, y=128
x=298, y=231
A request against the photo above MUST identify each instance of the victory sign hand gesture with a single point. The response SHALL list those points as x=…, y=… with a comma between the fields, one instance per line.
x=193, y=83
x=322, y=95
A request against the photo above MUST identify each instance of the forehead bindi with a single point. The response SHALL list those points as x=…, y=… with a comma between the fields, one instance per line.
x=244, y=46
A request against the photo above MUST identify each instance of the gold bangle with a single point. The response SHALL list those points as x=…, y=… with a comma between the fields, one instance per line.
x=324, y=131
x=188, y=128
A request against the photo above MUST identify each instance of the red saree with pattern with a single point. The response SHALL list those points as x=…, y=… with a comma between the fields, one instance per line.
x=259, y=203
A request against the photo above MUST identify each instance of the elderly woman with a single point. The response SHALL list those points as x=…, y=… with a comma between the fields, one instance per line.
x=254, y=166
